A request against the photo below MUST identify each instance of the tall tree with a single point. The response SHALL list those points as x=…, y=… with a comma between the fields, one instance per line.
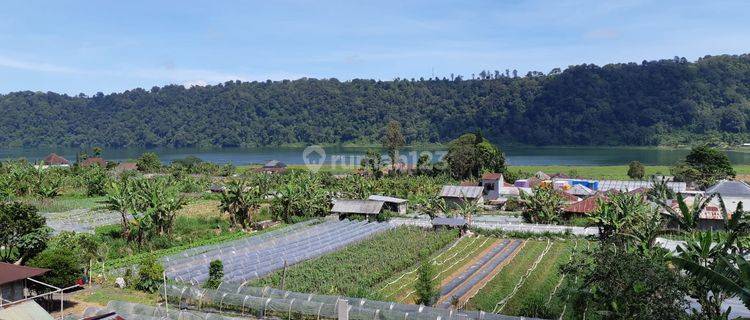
x=393, y=141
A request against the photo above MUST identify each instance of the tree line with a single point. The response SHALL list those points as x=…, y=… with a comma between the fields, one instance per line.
x=665, y=102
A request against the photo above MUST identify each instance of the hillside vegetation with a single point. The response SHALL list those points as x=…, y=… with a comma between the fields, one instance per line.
x=664, y=102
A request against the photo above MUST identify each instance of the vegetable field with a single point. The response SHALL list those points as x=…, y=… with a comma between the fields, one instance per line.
x=528, y=284
x=400, y=288
x=357, y=269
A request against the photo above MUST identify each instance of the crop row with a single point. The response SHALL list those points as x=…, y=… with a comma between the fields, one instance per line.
x=357, y=269
x=400, y=288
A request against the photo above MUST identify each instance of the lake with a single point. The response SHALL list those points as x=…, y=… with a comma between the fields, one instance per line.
x=577, y=156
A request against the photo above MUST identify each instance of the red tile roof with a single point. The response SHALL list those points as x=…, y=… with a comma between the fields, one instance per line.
x=492, y=176
x=92, y=161
x=54, y=160
x=569, y=197
x=127, y=166
x=467, y=183
x=587, y=205
x=11, y=272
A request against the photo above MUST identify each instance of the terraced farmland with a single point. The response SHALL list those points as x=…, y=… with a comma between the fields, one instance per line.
x=400, y=288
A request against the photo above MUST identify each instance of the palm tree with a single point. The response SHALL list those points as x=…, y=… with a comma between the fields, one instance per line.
x=737, y=227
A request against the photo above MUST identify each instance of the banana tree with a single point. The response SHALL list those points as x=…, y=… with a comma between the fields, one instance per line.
x=686, y=216
x=731, y=273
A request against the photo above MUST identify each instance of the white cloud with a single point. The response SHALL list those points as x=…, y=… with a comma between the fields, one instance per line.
x=36, y=66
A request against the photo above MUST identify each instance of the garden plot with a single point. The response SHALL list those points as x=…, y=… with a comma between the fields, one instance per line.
x=256, y=257
x=81, y=220
x=400, y=288
x=466, y=282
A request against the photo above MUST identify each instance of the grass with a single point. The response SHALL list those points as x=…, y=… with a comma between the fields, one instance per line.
x=607, y=172
x=64, y=203
x=357, y=269
x=446, y=262
x=105, y=294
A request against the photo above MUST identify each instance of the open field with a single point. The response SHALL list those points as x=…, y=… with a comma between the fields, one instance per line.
x=357, y=269
x=64, y=203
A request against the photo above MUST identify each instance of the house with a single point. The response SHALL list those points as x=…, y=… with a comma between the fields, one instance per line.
x=273, y=166
x=732, y=192
x=457, y=195
x=53, y=160
x=368, y=208
x=397, y=205
x=585, y=206
x=450, y=223
x=13, y=281
x=126, y=166
x=94, y=161
x=492, y=182
x=542, y=176
x=580, y=190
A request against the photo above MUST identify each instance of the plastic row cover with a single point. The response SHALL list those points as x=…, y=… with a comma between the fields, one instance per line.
x=279, y=303
x=138, y=311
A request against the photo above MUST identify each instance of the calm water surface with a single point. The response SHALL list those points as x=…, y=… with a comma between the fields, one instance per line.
x=515, y=155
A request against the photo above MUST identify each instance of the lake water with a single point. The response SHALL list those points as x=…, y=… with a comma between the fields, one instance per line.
x=579, y=156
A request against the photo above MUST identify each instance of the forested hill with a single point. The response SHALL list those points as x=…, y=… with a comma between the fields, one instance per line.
x=652, y=103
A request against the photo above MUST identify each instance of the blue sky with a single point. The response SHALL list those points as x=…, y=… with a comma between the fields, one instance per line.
x=111, y=46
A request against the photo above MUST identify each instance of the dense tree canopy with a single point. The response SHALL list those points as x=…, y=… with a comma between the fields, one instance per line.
x=658, y=102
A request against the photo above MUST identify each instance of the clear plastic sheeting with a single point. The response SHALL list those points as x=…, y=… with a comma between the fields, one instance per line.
x=129, y=310
x=259, y=302
x=81, y=220
x=255, y=258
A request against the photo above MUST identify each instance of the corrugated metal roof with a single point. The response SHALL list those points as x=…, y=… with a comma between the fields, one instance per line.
x=10, y=272
x=628, y=185
x=587, y=205
x=357, y=206
x=730, y=189
x=451, y=222
x=580, y=190
x=376, y=197
x=468, y=192
x=28, y=310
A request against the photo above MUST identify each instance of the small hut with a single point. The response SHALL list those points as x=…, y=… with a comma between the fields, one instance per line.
x=347, y=208
x=13, y=280
x=397, y=205
x=457, y=195
x=450, y=223
x=273, y=166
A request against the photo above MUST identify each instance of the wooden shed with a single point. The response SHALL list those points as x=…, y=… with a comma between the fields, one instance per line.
x=346, y=208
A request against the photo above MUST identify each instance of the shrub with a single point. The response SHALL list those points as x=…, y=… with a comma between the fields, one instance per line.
x=150, y=275
x=535, y=306
x=215, y=274
x=65, y=268
x=425, y=287
x=148, y=162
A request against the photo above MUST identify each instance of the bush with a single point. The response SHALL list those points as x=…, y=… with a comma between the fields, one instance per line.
x=150, y=275
x=425, y=287
x=536, y=307
x=148, y=162
x=215, y=274
x=65, y=268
